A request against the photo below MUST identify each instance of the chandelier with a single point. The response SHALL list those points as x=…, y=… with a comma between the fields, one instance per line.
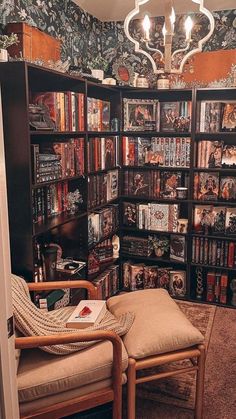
x=167, y=59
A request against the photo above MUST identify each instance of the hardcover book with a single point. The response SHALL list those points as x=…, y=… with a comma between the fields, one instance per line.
x=229, y=156
x=130, y=214
x=229, y=117
x=87, y=313
x=169, y=182
x=230, y=221
x=159, y=217
x=175, y=116
x=136, y=277
x=203, y=218
x=208, y=188
x=150, y=277
x=228, y=188
x=177, y=248
x=210, y=116
x=141, y=184
x=177, y=286
x=219, y=215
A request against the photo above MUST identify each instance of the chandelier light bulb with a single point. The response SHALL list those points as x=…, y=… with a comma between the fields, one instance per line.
x=164, y=32
x=188, y=24
x=146, y=27
x=172, y=17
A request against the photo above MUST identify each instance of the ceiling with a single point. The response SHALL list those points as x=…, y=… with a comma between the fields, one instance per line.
x=116, y=10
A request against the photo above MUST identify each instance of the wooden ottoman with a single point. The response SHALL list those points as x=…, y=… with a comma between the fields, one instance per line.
x=160, y=334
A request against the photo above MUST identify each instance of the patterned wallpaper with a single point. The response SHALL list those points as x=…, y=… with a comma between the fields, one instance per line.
x=116, y=45
x=84, y=36
x=79, y=32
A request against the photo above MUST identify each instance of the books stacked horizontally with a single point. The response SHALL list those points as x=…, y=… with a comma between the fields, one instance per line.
x=164, y=151
x=212, y=154
x=102, y=223
x=107, y=283
x=102, y=254
x=151, y=216
x=98, y=114
x=214, y=252
x=210, y=186
x=103, y=153
x=216, y=116
x=172, y=247
x=66, y=109
x=87, y=313
x=211, y=219
x=153, y=183
x=217, y=283
x=57, y=160
x=140, y=276
x=102, y=188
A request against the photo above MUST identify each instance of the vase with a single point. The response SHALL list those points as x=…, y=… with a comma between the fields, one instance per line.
x=158, y=252
x=98, y=74
x=3, y=55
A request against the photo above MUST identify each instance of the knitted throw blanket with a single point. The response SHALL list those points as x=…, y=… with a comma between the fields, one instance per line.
x=31, y=321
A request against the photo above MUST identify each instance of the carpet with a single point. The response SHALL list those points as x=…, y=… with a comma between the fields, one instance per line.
x=180, y=390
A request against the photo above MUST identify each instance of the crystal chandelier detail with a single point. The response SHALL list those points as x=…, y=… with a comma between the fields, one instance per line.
x=167, y=59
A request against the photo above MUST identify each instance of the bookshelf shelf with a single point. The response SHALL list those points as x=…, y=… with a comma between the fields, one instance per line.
x=215, y=169
x=155, y=134
x=103, y=133
x=156, y=167
x=42, y=184
x=213, y=236
x=57, y=134
x=108, y=236
x=195, y=300
x=103, y=171
x=143, y=231
x=151, y=259
x=166, y=201
x=55, y=222
x=222, y=268
x=96, y=208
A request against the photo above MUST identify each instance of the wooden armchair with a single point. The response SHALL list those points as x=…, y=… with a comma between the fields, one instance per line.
x=43, y=401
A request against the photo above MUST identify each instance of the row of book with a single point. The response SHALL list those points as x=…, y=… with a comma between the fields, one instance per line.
x=213, y=154
x=169, y=247
x=154, y=183
x=103, y=153
x=107, y=283
x=217, y=283
x=161, y=151
x=210, y=186
x=102, y=223
x=48, y=201
x=98, y=114
x=213, y=252
x=215, y=116
x=102, y=188
x=141, y=276
x=151, y=216
x=209, y=219
x=103, y=253
x=65, y=109
x=57, y=160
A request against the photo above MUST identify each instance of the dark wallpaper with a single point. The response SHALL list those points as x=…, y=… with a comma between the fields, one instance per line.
x=84, y=36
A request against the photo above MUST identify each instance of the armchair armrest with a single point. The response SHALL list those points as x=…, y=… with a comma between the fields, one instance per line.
x=82, y=283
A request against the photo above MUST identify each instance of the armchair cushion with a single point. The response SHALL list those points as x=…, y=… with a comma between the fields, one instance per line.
x=159, y=325
x=41, y=374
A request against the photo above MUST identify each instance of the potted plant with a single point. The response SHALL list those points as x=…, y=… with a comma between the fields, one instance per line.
x=98, y=66
x=160, y=245
x=5, y=42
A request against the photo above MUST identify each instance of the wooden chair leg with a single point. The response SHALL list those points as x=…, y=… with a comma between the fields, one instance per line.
x=200, y=383
x=131, y=388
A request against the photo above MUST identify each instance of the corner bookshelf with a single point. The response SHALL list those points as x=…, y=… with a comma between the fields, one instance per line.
x=72, y=230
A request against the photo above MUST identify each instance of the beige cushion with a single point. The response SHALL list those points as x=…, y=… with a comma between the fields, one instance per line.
x=32, y=406
x=41, y=374
x=159, y=325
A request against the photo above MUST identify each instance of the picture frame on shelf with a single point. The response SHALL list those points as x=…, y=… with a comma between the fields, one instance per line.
x=123, y=72
x=140, y=114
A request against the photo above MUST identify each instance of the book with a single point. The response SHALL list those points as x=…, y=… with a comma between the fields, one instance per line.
x=208, y=187
x=219, y=217
x=203, y=218
x=229, y=117
x=175, y=116
x=129, y=214
x=211, y=277
x=177, y=248
x=229, y=155
x=168, y=184
x=223, y=288
x=228, y=187
x=87, y=313
x=210, y=154
x=141, y=184
x=230, y=221
x=210, y=116
x=177, y=285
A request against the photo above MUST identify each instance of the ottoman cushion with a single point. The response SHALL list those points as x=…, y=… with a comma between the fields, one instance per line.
x=159, y=325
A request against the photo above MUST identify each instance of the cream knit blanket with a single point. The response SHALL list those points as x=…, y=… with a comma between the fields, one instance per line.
x=31, y=321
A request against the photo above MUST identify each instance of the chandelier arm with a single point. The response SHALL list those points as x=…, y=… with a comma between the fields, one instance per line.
x=137, y=48
x=180, y=50
x=154, y=49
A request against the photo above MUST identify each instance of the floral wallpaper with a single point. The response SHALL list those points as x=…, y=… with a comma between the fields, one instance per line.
x=84, y=37
x=115, y=45
x=79, y=32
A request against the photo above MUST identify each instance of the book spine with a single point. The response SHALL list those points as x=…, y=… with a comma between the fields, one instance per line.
x=210, y=286
x=223, y=288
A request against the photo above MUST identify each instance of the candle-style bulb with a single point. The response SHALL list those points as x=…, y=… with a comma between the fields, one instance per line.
x=172, y=16
x=188, y=24
x=164, y=32
x=146, y=27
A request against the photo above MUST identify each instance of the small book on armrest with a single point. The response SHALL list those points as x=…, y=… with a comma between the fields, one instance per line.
x=87, y=313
